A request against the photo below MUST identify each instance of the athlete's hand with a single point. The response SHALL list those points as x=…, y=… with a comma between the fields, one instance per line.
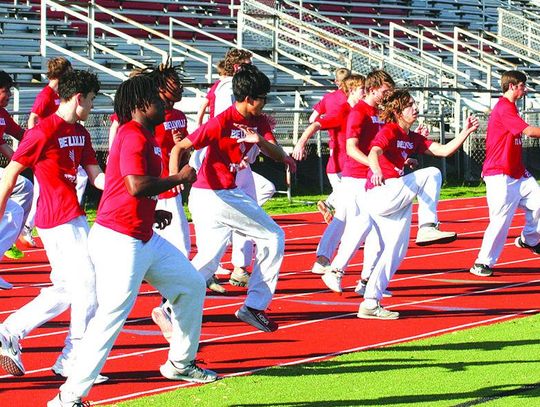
x=187, y=174
x=290, y=163
x=471, y=124
x=250, y=135
x=377, y=178
x=422, y=130
x=178, y=135
x=299, y=151
x=412, y=163
x=162, y=218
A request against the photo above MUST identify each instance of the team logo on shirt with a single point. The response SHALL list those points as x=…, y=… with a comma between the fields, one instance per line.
x=57, y=102
x=157, y=151
x=174, y=124
x=2, y=121
x=405, y=145
x=72, y=156
x=517, y=141
x=376, y=120
x=71, y=141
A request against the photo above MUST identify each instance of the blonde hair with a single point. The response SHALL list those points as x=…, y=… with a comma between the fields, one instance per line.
x=353, y=82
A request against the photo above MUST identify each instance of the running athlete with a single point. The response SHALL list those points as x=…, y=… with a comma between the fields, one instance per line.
x=390, y=193
x=46, y=103
x=126, y=251
x=54, y=148
x=331, y=103
x=210, y=99
x=508, y=183
x=218, y=207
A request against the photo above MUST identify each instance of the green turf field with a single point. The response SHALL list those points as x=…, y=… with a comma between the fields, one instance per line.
x=497, y=365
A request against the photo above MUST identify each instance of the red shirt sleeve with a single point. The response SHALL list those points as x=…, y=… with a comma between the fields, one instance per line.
x=31, y=147
x=511, y=119
x=134, y=147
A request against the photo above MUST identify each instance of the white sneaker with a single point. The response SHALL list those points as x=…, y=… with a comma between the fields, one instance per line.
x=59, y=369
x=190, y=373
x=10, y=353
x=4, y=285
x=320, y=266
x=162, y=319
x=376, y=313
x=332, y=279
x=239, y=277
x=27, y=238
x=361, y=289
x=58, y=402
x=222, y=271
x=428, y=235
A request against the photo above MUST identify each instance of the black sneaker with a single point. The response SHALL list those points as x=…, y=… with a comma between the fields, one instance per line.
x=256, y=318
x=481, y=270
x=520, y=243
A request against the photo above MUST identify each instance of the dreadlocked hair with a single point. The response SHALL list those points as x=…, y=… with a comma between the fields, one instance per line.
x=169, y=80
x=136, y=93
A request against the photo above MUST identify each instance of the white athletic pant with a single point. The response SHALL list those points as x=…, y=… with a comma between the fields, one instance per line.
x=122, y=263
x=333, y=232
x=22, y=194
x=10, y=225
x=390, y=206
x=178, y=231
x=335, y=180
x=82, y=180
x=504, y=195
x=261, y=190
x=73, y=284
x=358, y=228
x=215, y=215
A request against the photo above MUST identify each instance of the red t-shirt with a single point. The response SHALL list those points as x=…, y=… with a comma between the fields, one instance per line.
x=331, y=102
x=397, y=146
x=363, y=123
x=336, y=124
x=503, y=141
x=133, y=152
x=175, y=120
x=8, y=125
x=224, y=153
x=211, y=96
x=46, y=103
x=54, y=149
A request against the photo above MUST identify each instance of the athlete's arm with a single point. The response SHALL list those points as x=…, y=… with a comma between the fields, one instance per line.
x=112, y=131
x=95, y=175
x=202, y=111
x=145, y=185
x=532, y=131
x=446, y=150
x=177, y=152
x=314, y=116
x=377, y=177
x=299, y=152
x=6, y=151
x=7, y=183
x=32, y=120
x=354, y=151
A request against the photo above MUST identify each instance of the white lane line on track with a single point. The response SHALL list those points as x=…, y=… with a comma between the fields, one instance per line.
x=297, y=324
x=326, y=356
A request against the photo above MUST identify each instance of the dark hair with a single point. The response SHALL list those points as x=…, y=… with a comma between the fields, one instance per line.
x=138, y=92
x=77, y=81
x=249, y=81
x=168, y=81
x=5, y=80
x=512, y=77
x=394, y=104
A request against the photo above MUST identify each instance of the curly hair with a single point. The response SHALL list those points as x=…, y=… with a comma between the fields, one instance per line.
x=394, y=104
x=234, y=56
x=77, y=81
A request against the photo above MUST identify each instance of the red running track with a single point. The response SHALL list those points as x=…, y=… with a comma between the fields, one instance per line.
x=433, y=291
